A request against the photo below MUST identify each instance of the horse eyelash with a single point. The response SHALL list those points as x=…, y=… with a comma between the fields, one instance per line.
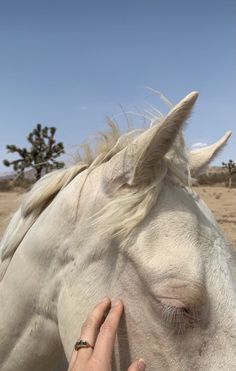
x=171, y=313
x=178, y=316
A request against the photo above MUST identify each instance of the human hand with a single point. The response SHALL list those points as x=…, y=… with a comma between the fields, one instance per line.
x=100, y=338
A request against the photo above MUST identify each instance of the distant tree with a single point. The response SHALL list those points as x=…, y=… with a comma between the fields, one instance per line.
x=231, y=166
x=42, y=154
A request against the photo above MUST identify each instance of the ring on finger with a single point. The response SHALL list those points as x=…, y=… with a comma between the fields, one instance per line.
x=82, y=344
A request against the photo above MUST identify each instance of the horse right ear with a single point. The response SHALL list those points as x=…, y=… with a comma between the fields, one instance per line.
x=201, y=158
x=137, y=163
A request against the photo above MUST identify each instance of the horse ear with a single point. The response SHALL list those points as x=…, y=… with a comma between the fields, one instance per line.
x=200, y=158
x=136, y=163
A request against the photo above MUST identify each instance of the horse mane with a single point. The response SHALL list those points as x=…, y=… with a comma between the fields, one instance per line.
x=128, y=209
x=45, y=190
x=106, y=146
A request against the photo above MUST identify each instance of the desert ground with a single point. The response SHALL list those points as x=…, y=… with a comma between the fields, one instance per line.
x=221, y=200
x=9, y=202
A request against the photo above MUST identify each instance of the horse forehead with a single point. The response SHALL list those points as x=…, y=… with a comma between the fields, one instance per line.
x=181, y=235
x=176, y=235
x=176, y=213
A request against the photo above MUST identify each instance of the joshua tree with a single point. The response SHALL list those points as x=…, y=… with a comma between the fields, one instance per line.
x=41, y=155
x=231, y=166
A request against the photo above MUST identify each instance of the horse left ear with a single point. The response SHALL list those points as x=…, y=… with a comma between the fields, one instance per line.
x=201, y=158
x=136, y=163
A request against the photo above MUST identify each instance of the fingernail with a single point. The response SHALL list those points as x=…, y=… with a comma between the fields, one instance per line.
x=141, y=364
x=116, y=302
x=105, y=299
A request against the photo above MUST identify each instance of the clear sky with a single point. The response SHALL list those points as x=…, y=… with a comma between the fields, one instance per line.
x=72, y=63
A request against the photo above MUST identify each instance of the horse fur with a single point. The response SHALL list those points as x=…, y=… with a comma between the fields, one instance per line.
x=122, y=223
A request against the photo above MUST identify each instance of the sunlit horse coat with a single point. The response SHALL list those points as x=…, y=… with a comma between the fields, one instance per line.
x=129, y=226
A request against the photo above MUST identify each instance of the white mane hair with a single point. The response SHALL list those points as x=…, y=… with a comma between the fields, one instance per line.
x=132, y=204
x=124, y=212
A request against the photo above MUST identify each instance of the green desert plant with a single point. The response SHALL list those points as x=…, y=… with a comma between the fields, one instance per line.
x=42, y=154
x=231, y=166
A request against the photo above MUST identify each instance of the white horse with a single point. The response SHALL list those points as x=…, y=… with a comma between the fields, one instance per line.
x=126, y=226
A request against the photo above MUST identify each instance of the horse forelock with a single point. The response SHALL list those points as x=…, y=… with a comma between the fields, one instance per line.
x=130, y=206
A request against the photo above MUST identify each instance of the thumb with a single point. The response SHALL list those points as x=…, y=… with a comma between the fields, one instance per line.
x=138, y=365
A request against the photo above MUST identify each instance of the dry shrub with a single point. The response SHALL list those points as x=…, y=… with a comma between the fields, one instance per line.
x=19, y=185
x=5, y=185
x=220, y=177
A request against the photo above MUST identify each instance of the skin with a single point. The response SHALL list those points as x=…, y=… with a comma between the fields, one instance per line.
x=101, y=335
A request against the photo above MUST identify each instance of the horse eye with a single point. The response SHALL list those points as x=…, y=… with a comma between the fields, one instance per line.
x=179, y=318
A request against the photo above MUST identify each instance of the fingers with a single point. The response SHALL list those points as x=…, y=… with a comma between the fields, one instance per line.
x=93, y=322
x=138, y=365
x=102, y=341
x=106, y=337
x=89, y=332
x=72, y=360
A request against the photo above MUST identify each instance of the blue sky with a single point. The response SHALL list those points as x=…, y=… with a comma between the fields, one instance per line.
x=72, y=63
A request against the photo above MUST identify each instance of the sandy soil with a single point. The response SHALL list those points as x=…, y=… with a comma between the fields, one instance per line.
x=222, y=202
x=9, y=202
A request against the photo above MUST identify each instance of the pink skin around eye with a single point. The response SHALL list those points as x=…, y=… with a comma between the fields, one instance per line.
x=172, y=302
